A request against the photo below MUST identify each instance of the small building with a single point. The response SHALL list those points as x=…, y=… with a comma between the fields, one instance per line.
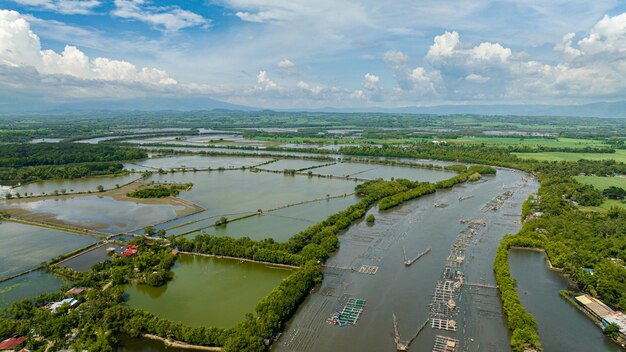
x=175, y=251
x=56, y=305
x=75, y=291
x=617, y=318
x=594, y=306
x=12, y=343
x=130, y=250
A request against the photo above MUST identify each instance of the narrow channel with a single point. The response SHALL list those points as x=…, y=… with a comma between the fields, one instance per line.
x=562, y=327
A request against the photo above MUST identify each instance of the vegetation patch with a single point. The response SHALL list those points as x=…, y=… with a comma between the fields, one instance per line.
x=159, y=191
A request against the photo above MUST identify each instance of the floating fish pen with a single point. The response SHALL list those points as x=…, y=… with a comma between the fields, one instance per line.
x=452, y=274
x=445, y=344
x=368, y=269
x=455, y=260
x=349, y=314
x=443, y=324
x=443, y=305
x=497, y=202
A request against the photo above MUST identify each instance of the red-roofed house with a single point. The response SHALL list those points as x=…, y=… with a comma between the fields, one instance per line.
x=11, y=343
x=128, y=252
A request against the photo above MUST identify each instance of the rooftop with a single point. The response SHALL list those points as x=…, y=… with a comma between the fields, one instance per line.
x=11, y=343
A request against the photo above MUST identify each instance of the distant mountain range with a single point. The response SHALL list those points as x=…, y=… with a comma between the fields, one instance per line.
x=18, y=105
x=614, y=109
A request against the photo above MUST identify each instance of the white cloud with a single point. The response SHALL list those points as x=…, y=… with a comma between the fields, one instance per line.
x=307, y=87
x=287, y=67
x=371, y=82
x=448, y=47
x=565, y=46
x=167, y=18
x=444, y=45
x=20, y=47
x=286, y=64
x=417, y=80
x=593, y=67
x=264, y=82
x=490, y=52
x=472, y=77
x=67, y=7
x=395, y=58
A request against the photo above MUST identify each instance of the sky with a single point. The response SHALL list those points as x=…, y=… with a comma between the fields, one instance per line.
x=315, y=54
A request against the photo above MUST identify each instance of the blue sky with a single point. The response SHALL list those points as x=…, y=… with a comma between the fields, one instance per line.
x=341, y=53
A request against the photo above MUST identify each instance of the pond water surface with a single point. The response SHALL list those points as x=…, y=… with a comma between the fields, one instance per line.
x=562, y=327
x=208, y=291
x=76, y=185
x=28, y=286
x=279, y=224
x=23, y=247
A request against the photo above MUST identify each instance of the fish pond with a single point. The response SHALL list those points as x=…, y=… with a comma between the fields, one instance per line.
x=278, y=224
x=23, y=247
x=195, y=162
x=87, y=184
x=374, y=171
x=292, y=164
x=86, y=260
x=243, y=191
x=28, y=286
x=94, y=212
x=208, y=291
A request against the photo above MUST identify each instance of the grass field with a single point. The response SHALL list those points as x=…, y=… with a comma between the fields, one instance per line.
x=619, y=155
x=602, y=183
x=548, y=142
x=608, y=204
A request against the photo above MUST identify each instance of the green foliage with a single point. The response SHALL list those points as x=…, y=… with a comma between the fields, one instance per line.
x=20, y=155
x=221, y=221
x=522, y=325
x=614, y=192
x=482, y=169
x=47, y=172
x=370, y=219
x=420, y=190
x=154, y=192
x=474, y=177
x=611, y=330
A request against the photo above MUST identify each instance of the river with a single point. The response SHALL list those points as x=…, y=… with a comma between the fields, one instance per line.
x=407, y=291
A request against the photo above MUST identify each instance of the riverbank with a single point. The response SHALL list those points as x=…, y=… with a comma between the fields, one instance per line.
x=179, y=344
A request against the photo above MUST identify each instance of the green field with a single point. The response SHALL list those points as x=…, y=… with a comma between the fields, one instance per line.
x=608, y=204
x=602, y=183
x=525, y=141
x=619, y=155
